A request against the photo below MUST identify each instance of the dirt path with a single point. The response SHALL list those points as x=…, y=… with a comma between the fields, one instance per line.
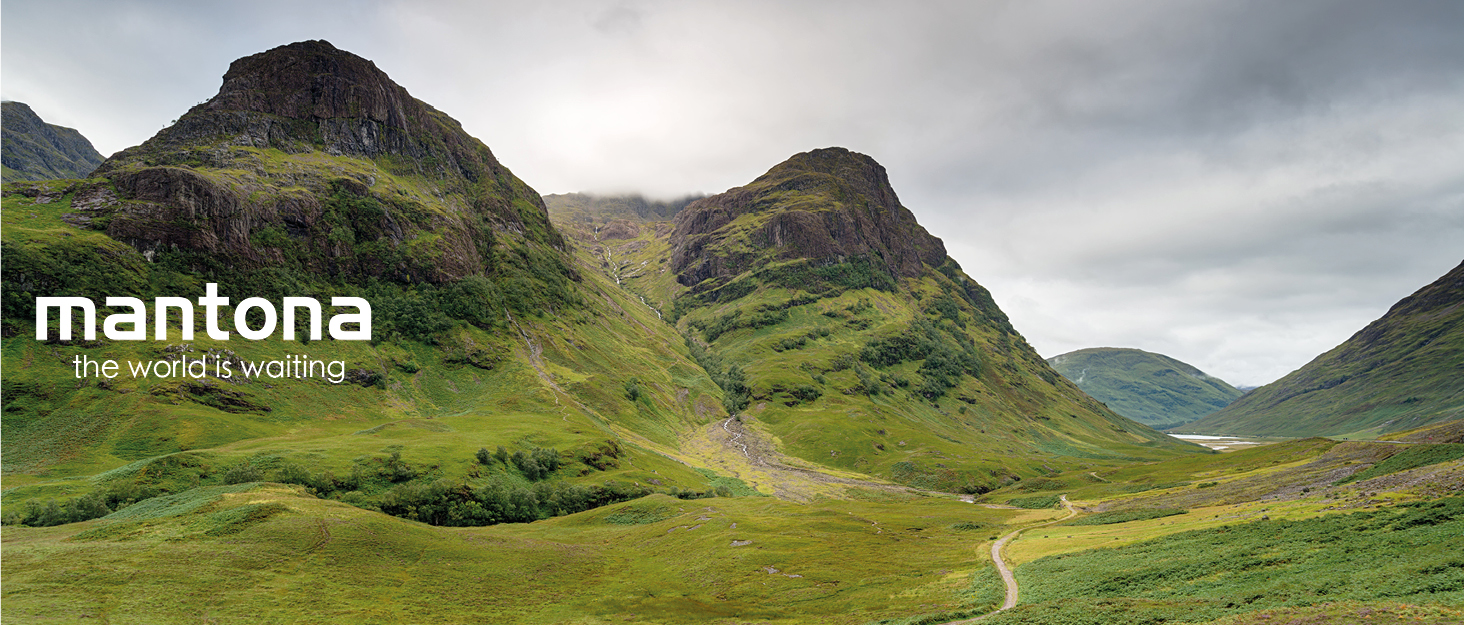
x=1006, y=572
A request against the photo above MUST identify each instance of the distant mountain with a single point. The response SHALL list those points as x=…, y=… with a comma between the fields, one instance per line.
x=1153, y=389
x=36, y=150
x=592, y=208
x=1403, y=371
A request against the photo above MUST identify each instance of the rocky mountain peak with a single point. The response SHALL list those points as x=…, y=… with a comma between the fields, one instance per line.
x=312, y=157
x=314, y=80
x=311, y=96
x=825, y=206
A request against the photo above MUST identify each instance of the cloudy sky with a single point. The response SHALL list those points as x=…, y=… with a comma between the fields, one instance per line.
x=1240, y=185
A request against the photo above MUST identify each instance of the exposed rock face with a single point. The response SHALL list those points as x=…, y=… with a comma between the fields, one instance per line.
x=620, y=230
x=352, y=108
x=36, y=150
x=825, y=206
x=313, y=155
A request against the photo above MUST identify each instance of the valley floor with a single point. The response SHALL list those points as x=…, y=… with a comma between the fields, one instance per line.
x=1249, y=537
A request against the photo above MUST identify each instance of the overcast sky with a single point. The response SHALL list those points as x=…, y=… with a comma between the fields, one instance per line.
x=1239, y=185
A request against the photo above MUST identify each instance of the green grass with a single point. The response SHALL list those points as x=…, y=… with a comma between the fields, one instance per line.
x=268, y=552
x=1124, y=516
x=1403, y=554
x=1410, y=457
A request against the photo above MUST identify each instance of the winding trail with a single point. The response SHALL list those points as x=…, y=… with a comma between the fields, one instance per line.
x=1006, y=572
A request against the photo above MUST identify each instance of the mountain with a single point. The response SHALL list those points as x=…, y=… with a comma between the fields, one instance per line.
x=312, y=174
x=36, y=150
x=589, y=208
x=838, y=327
x=1403, y=371
x=312, y=158
x=1153, y=389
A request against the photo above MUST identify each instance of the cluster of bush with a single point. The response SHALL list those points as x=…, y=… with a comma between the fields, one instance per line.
x=759, y=318
x=857, y=272
x=519, y=491
x=92, y=505
x=799, y=342
x=500, y=500
x=535, y=465
x=947, y=354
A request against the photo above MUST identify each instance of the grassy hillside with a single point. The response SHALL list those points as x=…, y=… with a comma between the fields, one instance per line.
x=1153, y=389
x=523, y=381
x=1200, y=575
x=1401, y=372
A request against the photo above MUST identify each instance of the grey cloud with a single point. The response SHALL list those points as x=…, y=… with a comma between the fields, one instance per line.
x=1237, y=184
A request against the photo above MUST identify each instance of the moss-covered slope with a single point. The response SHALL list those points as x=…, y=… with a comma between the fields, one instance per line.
x=1153, y=389
x=1403, y=371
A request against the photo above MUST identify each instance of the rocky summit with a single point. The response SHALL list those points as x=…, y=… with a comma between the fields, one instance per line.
x=312, y=156
x=831, y=318
x=821, y=207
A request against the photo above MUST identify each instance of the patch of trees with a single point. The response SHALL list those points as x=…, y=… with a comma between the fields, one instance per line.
x=946, y=356
x=500, y=500
x=729, y=376
x=96, y=504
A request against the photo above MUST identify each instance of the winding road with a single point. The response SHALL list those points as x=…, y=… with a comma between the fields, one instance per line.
x=1006, y=572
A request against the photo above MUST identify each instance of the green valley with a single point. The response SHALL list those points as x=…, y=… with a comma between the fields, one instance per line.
x=784, y=403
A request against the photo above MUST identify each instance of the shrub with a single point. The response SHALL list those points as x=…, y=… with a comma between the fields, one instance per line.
x=1124, y=516
x=1035, y=503
x=243, y=472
